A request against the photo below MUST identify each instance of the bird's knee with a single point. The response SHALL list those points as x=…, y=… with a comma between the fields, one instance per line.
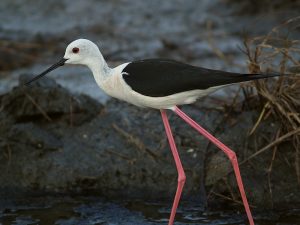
x=232, y=156
x=181, y=178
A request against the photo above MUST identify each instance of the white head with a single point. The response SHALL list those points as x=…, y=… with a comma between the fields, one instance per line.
x=80, y=51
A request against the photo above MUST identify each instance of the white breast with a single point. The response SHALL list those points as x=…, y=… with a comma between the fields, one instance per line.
x=115, y=86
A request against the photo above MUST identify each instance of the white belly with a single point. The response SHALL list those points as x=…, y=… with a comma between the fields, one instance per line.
x=116, y=87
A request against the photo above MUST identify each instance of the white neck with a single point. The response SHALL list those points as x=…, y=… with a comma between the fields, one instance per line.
x=99, y=68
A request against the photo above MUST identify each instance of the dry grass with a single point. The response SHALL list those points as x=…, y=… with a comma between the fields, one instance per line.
x=132, y=139
x=255, y=6
x=278, y=51
x=16, y=54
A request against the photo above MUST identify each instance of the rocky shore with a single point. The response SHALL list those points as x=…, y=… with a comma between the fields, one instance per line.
x=55, y=142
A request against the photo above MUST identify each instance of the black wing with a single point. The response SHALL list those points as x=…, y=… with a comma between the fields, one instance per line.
x=163, y=77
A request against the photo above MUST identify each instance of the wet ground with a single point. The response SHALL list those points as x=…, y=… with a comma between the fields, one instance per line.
x=96, y=211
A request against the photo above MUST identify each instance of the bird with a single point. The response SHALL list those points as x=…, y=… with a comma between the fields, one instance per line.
x=162, y=84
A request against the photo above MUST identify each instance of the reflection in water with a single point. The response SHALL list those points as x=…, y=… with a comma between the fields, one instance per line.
x=92, y=211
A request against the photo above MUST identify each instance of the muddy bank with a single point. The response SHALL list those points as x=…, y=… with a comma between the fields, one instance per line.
x=55, y=142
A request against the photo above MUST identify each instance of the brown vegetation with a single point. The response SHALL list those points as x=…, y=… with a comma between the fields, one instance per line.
x=279, y=98
x=256, y=6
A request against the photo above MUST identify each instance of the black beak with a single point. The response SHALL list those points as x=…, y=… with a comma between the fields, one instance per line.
x=56, y=65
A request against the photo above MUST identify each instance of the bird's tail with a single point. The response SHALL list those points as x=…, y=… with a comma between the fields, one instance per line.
x=255, y=76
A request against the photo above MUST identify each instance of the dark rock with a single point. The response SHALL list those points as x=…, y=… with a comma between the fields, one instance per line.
x=32, y=135
x=46, y=101
x=122, y=147
x=123, y=151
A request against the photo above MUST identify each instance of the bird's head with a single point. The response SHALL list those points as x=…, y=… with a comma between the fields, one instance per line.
x=80, y=51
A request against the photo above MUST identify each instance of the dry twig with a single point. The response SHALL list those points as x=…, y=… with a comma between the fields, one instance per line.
x=280, y=98
x=136, y=141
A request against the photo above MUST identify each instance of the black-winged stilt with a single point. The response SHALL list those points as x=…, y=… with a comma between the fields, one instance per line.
x=160, y=84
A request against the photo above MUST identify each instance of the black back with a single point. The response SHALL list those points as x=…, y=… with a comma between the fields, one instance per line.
x=163, y=77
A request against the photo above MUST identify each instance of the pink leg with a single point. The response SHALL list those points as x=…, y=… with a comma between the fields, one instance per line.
x=181, y=175
x=231, y=155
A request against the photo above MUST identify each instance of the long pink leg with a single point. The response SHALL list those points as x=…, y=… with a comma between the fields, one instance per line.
x=231, y=155
x=181, y=174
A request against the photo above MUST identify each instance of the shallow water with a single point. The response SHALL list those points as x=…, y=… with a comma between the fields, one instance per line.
x=96, y=211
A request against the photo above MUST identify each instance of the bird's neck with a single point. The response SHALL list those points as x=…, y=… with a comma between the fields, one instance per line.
x=100, y=69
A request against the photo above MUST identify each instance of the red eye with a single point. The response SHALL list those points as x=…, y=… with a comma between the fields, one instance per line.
x=75, y=50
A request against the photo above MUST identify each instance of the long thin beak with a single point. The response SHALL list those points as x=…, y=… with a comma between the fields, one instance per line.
x=56, y=65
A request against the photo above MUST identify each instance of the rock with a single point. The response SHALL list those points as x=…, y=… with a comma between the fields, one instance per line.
x=121, y=151
x=29, y=134
x=45, y=100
